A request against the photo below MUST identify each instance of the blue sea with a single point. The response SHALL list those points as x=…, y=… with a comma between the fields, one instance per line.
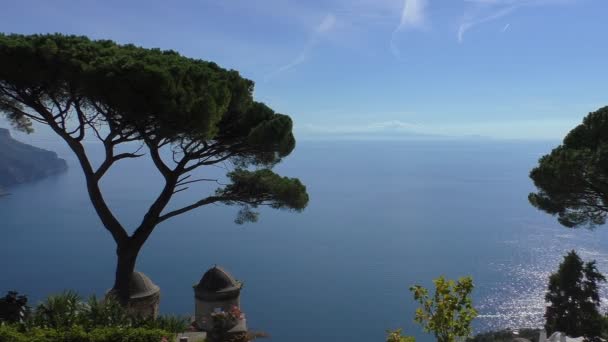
x=383, y=215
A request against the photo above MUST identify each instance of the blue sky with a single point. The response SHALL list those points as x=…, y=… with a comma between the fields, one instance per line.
x=383, y=68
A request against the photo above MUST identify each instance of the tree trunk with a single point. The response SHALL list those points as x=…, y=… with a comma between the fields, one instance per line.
x=126, y=259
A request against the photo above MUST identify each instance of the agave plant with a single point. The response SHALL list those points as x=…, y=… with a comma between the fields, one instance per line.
x=59, y=311
x=67, y=310
x=104, y=313
x=173, y=324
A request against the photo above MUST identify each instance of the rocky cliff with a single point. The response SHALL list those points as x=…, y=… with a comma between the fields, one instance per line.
x=20, y=163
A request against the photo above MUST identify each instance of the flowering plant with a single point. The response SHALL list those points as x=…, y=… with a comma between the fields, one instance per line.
x=225, y=320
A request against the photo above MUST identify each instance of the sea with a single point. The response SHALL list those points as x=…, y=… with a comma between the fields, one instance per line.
x=383, y=216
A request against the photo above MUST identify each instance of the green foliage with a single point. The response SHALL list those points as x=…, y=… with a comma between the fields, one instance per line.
x=148, y=92
x=574, y=299
x=146, y=87
x=10, y=333
x=78, y=334
x=67, y=310
x=59, y=311
x=69, y=334
x=396, y=336
x=173, y=324
x=104, y=313
x=572, y=180
x=128, y=335
x=449, y=312
x=263, y=187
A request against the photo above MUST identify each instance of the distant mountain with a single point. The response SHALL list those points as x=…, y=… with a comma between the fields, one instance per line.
x=21, y=163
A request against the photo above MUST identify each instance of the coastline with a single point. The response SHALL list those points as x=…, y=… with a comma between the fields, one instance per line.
x=24, y=163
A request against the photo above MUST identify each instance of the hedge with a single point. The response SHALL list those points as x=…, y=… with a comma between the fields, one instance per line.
x=10, y=333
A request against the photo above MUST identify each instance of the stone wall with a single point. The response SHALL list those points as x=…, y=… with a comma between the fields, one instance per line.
x=145, y=306
x=203, y=310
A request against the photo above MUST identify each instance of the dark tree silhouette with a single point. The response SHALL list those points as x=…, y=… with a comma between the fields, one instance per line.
x=574, y=299
x=184, y=113
x=13, y=308
x=572, y=180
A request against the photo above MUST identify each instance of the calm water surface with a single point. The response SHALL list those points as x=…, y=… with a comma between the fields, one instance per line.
x=382, y=216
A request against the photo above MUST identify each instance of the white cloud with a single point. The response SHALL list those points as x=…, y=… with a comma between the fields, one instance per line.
x=413, y=16
x=329, y=21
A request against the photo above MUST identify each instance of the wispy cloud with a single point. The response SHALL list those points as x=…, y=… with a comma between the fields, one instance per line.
x=413, y=16
x=484, y=11
x=495, y=11
x=325, y=26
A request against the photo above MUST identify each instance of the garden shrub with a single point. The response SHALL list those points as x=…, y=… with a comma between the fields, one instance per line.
x=128, y=335
x=10, y=333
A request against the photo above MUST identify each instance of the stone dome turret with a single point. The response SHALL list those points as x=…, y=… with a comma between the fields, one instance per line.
x=217, y=290
x=144, y=296
x=217, y=284
x=141, y=286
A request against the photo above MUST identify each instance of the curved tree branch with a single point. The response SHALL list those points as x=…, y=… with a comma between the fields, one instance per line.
x=204, y=201
x=103, y=211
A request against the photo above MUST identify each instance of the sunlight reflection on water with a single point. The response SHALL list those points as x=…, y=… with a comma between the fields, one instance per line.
x=520, y=303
